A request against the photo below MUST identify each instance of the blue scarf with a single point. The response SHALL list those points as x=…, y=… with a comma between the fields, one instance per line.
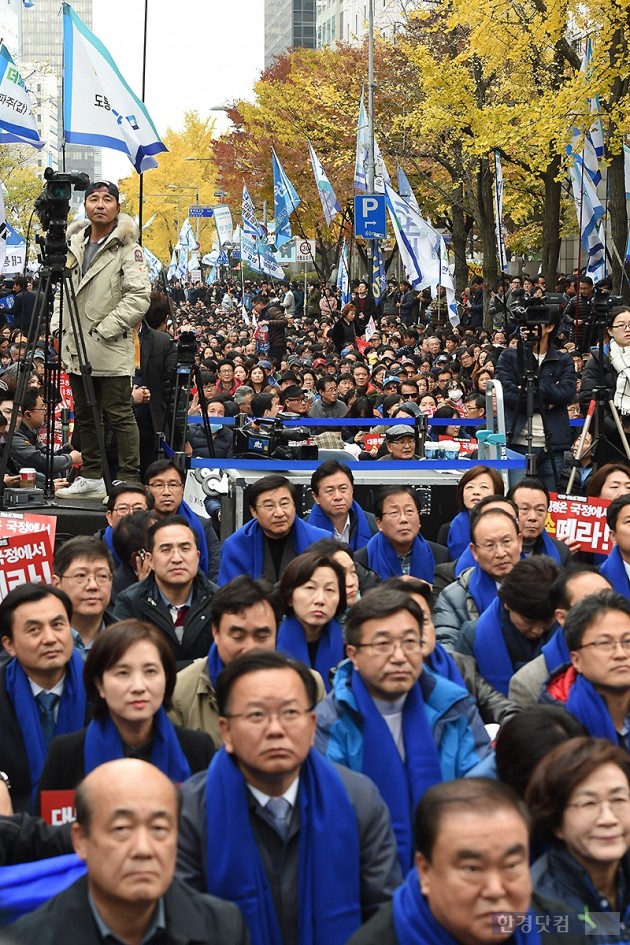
x=383, y=559
x=586, y=704
x=329, y=854
x=401, y=784
x=415, y=924
x=443, y=664
x=70, y=717
x=490, y=649
x=362, y=532
x=465, y=560
x=556, y=651
x=330, y=649
x=482, y=588
x=108, y=538
x=215, y=664
x=243, y=552
x=459, y=535
x=194, y=522
x=614, y=571
x=103, y=743
x=549, y=547
x=25, y=886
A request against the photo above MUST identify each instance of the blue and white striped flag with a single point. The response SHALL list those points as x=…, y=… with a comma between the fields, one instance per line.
x=330, y=204
x=251, y=226
x=589, y=211
x=100, y=110
x=154, y=264
x=17, y=121
x=405, y=191
x=187, y=241
x=596, y=131
x=381, y=174
x=498, y=211
x=422, y=250
x=363, y=149
x=343, y=275
x=285, y=201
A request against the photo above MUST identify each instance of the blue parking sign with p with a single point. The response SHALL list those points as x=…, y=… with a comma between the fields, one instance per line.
x=369, y=216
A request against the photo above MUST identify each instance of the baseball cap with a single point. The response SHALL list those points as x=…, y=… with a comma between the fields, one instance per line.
x=97, y=184
x=397, y=432
x=392, y=379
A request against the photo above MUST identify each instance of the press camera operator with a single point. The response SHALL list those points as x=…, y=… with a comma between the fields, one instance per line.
x=612, y=370
x=556, y=381
x=576, y=317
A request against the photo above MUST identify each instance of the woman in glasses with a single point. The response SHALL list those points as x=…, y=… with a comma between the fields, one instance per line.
x=579, y=799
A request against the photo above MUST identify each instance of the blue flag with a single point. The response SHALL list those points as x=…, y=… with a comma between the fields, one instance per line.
x=379, y=283
x=100, y=110
x=330, y=204
x=343, y=275
x=405, y=191
x=285, y=201
x=588, y=207
x=363, y=149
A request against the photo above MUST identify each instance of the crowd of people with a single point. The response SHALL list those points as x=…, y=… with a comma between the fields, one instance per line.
x=326, y=727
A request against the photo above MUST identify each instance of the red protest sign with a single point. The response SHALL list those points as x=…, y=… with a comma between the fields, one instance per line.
x=372, y=441
x=24, y=523
x=581, y=520
x=24, y=559
x=57, y=807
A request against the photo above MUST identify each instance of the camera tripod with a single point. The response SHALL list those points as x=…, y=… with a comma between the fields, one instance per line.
x=187, y=372
x=530, y=402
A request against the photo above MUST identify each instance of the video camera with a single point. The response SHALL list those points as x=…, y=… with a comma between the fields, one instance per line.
x=539, y=310
x=602, y=303
x=52, y=207
x=186, y=348
x=275, y=442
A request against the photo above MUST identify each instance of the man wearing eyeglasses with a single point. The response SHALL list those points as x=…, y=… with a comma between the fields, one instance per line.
x=596, y=687
x=304, y=847
x=398, y=547
x=264, y=546
x=124, y=498
x=27, y=450
x=294, y=400
x=405, y=728
x=615, y=377
x=83, y=570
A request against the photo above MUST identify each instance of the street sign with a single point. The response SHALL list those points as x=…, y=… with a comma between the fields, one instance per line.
x=369, y=216
x=304, y=250
x=199, y=211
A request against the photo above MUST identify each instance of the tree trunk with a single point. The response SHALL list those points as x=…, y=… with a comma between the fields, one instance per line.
x=459, y=236
x=551, y=222
x=487, y=233
x=618, y=226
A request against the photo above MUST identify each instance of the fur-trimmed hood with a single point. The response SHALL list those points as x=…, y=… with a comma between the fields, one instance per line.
x=125, y=231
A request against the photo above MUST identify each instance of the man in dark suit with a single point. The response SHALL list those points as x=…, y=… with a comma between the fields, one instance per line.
x=152, y=387
x=41, y=687
x=23, y=305
x=126, y=833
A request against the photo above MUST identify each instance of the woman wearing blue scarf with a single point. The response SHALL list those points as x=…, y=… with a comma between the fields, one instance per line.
x=313, y=589
x=129, y=679
x=475, y=485
x=579, y=798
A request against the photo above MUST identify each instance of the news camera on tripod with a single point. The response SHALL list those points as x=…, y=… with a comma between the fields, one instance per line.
x=539, y=382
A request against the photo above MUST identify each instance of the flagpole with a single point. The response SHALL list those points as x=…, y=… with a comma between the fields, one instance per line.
x=144, y=85
x=370, y=180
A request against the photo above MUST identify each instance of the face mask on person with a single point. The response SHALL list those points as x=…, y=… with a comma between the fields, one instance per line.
x=455, y=393
x=215, y=427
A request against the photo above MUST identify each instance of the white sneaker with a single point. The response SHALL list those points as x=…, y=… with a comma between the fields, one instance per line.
x=83, y=488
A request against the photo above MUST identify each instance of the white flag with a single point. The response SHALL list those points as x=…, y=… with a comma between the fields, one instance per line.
x=17, y=122
x=100, y=110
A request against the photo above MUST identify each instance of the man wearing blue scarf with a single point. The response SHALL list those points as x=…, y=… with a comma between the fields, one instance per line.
x=531, y=496
x=572, y=585
x=596, y=687
x=264, y=546
x=392, y=719
x=335, y=508
x=245, y=616
x=471, y=870
x=41, y=687
x=616, y=567
x=512, y=631
x=496, y=547
x=304, y=847
x=123, y=499
x=398, y=548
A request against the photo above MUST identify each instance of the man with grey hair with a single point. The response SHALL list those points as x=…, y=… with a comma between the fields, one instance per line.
x=243, y=399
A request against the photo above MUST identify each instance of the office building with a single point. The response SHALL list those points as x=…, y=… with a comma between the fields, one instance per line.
x=288, y=23
x=346, y=21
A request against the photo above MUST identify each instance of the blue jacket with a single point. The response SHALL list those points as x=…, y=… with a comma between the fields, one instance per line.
x=461, y=739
